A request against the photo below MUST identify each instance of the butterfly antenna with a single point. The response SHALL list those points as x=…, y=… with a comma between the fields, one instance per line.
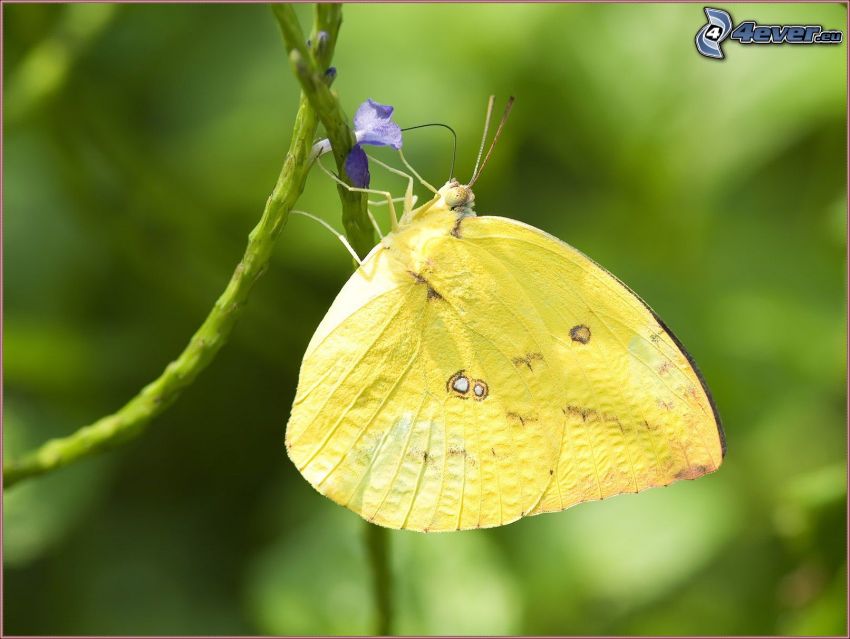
x=504, y=119
x=454, y=141
x=491, y=100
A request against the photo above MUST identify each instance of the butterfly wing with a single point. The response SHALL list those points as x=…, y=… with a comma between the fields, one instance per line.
x=490, y=373
x=378, y=426
x=633, y=410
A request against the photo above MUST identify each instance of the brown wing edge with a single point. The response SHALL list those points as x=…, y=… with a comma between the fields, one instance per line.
x=720, y=433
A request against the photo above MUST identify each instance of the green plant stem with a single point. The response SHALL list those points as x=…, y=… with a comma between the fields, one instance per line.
x=154, y=398
x=377, y=542
x=316, y=102
x=310, y=68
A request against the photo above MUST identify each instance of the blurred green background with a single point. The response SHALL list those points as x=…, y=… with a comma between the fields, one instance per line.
x=140, y=143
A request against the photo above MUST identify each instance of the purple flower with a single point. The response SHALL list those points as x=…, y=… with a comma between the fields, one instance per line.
x=357, y=167
x=373, y=125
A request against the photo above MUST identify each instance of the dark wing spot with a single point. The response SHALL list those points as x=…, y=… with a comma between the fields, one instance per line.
x=460, y=451
x=528, y=360
x=590, y=414
x=585, y=413
x=693, y=472
x=522, y=419
x=432, y=292
x=580, y=334
x=516, y=418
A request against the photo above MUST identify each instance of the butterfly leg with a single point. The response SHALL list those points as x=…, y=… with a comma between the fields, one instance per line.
x=409, y=199
x=386, y=194
x=383, y=202
x=427, y=185
x=374, y=222
x=338, y=235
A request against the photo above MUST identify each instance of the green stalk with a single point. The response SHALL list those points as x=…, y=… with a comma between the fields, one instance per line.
x=310, y=67
x=153, y=399
x=316, y=102
x=377, y=543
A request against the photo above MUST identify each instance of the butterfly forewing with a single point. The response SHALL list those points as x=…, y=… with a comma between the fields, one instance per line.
x=635, y=413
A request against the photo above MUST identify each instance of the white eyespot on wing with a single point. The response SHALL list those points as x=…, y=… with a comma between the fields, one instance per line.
x=480, y=389
x=461, y=385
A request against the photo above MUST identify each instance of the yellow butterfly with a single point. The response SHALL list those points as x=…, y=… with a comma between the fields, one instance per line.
x=476, y=370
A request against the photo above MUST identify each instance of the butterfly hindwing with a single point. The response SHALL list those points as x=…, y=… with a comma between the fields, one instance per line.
x=378, y=426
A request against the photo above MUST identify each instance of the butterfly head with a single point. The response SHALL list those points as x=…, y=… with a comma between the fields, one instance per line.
x=457, y=197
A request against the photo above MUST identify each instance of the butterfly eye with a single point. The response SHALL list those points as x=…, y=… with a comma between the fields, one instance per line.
x=458, y=196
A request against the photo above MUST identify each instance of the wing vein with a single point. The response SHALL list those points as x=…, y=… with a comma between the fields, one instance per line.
x=401, y=458
x=563, y=381
x=342, y=379
x=369, y=422
x=700, y=434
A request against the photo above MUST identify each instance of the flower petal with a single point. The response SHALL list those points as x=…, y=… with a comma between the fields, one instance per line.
x=369, y=111
x=357, y=167
x=373, y=125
